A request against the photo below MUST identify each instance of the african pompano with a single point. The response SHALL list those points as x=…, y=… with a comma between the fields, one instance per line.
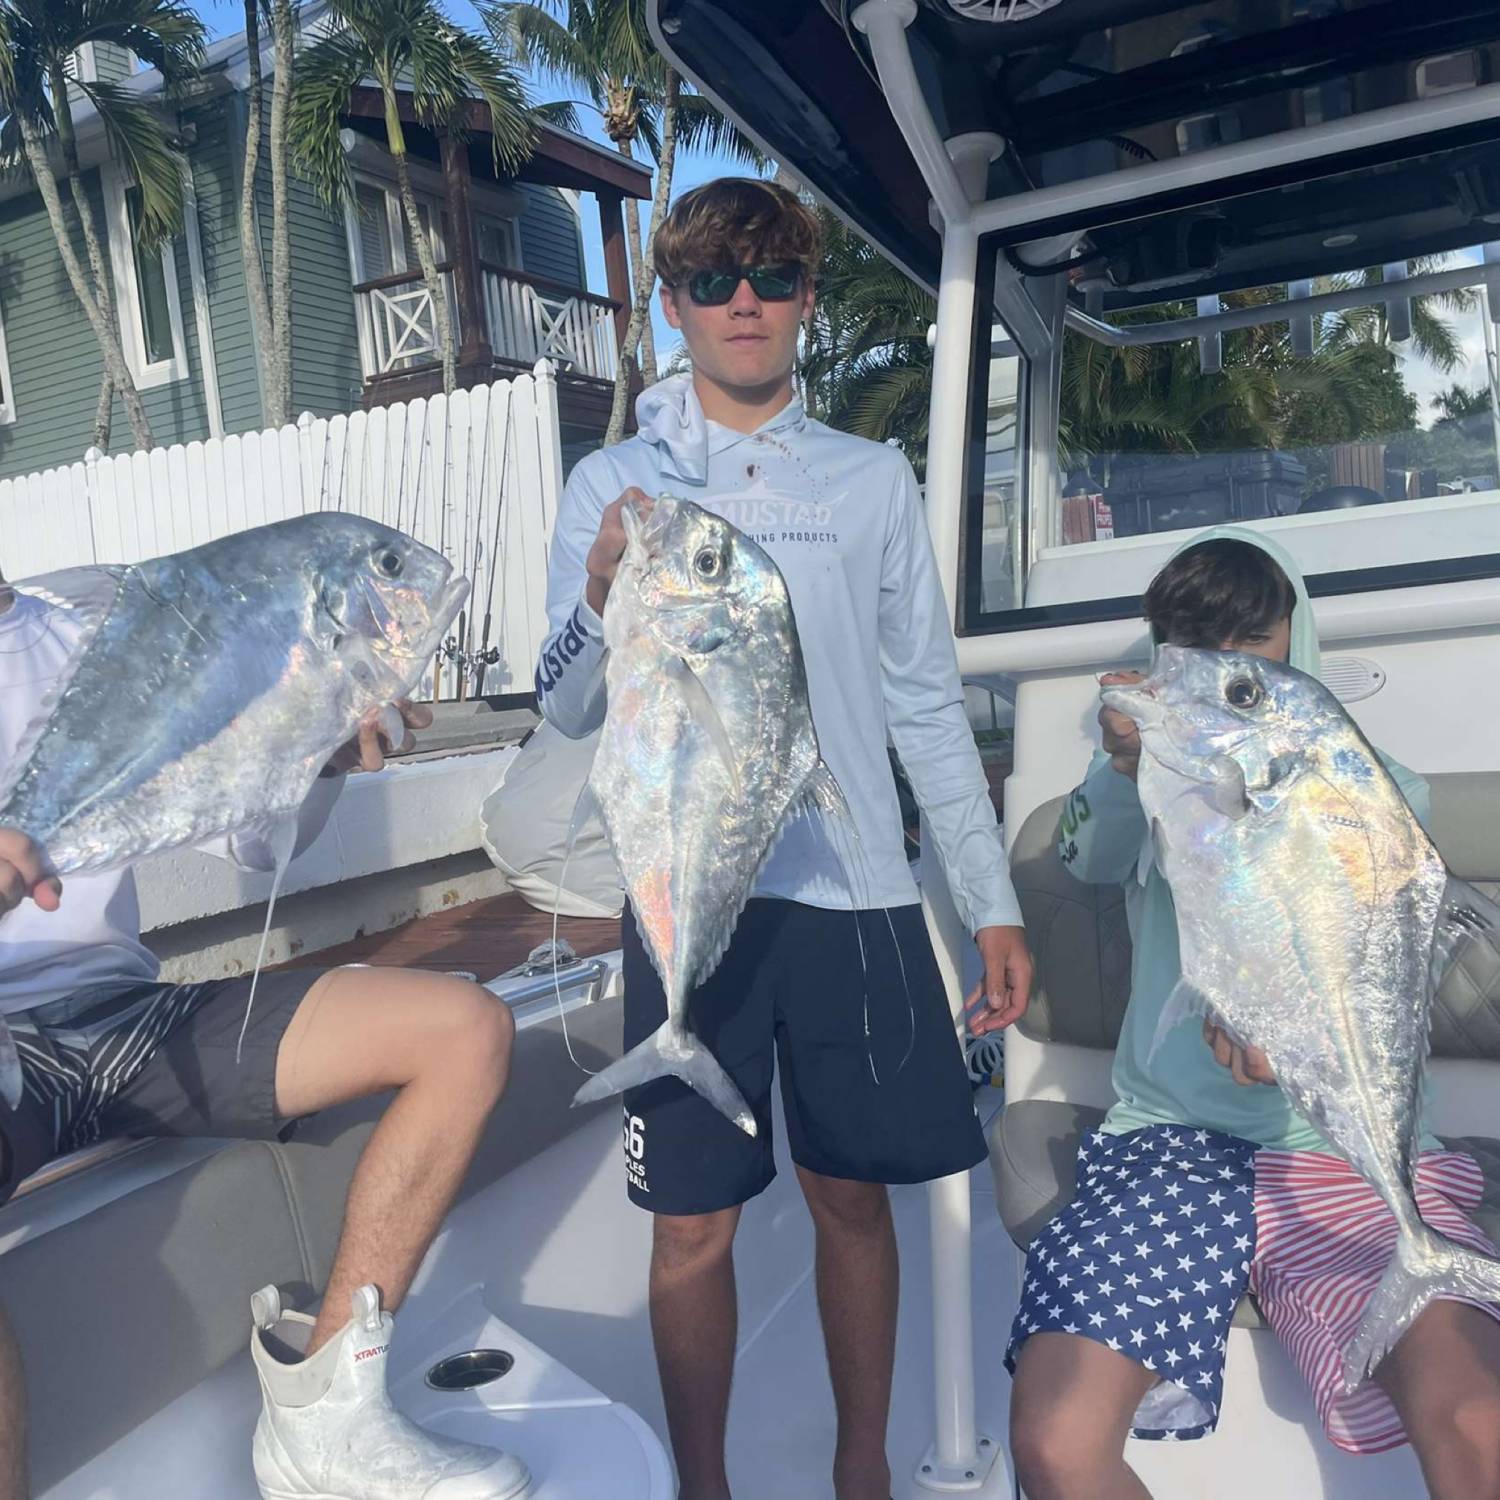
x=209, y=687
x=708, y=749
x=1315, y=919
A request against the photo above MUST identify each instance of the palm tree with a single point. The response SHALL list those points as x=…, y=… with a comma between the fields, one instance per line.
x=36, y=97
x=866, y=368
x=270, y=313
x=603, y=49
x=407, y=47
x=1458, y=403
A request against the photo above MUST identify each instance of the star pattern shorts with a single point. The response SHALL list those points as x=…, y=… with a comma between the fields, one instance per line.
x=1149, y=1259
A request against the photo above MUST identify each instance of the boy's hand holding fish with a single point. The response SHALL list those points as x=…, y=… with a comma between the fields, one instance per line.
x=1120, y=737
x=24, y=872
x=368, y=749
x=609, y=546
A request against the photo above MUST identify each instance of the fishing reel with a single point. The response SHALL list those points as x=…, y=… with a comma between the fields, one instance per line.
x=468, y=661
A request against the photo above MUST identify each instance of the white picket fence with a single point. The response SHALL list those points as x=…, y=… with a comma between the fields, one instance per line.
x=477, y=475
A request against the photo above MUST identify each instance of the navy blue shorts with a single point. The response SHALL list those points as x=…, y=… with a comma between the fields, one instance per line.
x=896, y=1106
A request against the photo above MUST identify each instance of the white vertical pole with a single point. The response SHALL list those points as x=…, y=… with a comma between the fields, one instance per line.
x=955, y=173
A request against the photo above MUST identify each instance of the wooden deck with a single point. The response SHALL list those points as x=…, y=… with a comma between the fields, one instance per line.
x=484, y=938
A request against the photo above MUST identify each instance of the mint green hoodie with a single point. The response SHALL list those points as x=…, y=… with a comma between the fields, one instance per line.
x=1104, y=841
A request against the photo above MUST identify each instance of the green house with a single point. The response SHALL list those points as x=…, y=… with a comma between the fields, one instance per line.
x=511, y=253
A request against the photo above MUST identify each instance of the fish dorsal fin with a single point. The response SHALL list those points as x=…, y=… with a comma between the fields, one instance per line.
x=90, y=594
x=706, y=717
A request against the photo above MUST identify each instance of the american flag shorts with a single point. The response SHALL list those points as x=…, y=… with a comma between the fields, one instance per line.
x=1149, y=1259
x=1171, y=1225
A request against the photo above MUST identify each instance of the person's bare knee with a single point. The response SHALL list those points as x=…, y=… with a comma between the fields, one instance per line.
x=360, y=1031
x=688, y=1244
x=845, y=1208
x=1070, y=1410
x=472, y=1035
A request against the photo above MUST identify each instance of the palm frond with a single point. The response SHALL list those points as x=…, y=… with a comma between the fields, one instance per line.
x=326, y=73
x=701, y=127
x=562, y=113
x=135, y=138
x=543, y=44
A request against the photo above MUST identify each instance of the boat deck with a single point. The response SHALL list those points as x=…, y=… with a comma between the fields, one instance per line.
x=483, y=938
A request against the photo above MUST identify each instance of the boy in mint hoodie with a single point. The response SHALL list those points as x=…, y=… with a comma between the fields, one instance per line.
x=1203, y=1182
x=842, y=519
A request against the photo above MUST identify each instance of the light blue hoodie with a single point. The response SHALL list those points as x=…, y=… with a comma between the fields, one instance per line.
x=843, y=521
x=1104, y=841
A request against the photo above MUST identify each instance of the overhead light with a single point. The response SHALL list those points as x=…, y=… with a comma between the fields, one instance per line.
x=1338, y=241
x=1001, y=10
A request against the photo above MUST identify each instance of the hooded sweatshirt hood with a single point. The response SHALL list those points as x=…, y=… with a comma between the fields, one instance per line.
x=1305, y=655
x=670, y=418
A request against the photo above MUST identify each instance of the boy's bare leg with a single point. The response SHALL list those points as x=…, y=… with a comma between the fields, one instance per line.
x=858, y=1278
x=444, y=1044
x=13, y=1485
x=694, y=1322
x=1070, y=1412
x=1444, y=1379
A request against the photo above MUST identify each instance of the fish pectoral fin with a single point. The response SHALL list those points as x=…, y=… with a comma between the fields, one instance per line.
x=706, y=716
x=90, y=591
x=1282, y=772
x=825, y=794
x=1229, y=794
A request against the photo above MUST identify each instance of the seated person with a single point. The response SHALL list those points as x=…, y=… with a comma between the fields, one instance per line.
x=1202, y=1182
x=108, y=1049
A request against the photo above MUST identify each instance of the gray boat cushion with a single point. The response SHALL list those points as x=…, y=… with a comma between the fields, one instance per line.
x=125, y=1308
x=1078, y=937
x=1081, y=943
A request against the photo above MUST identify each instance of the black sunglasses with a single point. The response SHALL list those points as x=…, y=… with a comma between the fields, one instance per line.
x=769, y=283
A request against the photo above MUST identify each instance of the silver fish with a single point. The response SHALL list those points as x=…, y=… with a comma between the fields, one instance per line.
x=1315, y=919
x=210, y=687
x=708, y=749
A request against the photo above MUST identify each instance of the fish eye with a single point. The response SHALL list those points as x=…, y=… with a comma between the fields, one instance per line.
x=389, y=563
x=708, y=563
x=1243, y=692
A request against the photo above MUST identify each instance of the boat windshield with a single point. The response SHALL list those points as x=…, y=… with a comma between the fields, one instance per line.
x=1371, y=430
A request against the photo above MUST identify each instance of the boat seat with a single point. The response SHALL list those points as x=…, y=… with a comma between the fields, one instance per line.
x=129, y=1283
x=1081, y=945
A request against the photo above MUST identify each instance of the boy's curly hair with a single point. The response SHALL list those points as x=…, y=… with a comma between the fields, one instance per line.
x=1219, y=590
x=736, y=221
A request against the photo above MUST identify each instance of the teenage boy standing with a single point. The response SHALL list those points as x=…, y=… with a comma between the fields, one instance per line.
x=842, y=519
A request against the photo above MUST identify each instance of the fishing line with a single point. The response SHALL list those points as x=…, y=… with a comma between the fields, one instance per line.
x=562, y=1014
x=847, y=846
x=283, y=840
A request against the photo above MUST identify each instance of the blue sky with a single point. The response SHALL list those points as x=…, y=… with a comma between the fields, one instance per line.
x=224, y=17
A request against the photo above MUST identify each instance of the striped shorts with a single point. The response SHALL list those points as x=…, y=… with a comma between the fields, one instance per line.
x=144, y=1058
x=1323, y=1241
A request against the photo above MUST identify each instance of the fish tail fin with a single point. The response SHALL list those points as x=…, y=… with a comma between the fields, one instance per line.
x=1423, y=1267
x=663, y=1055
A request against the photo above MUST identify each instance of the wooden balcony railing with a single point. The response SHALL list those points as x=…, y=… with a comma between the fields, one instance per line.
x=527, y=318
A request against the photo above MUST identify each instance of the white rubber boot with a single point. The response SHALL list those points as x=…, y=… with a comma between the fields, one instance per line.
x=328, y=1431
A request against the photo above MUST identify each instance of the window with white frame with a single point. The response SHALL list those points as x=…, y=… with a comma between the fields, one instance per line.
x=146, y=292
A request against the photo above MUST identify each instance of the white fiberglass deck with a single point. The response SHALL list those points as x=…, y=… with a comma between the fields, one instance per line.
x=556, y=1253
